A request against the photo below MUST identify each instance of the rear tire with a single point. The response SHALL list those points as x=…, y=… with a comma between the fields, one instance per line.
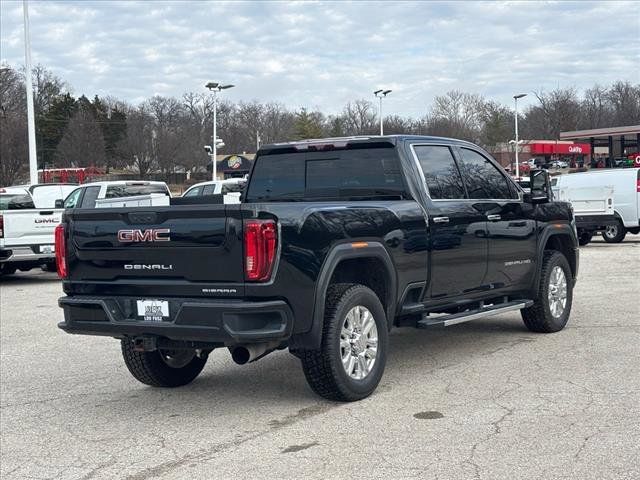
x=162, y=368
x=549, y=313
x=6, y=269
x=584, y=238
x=346, y=368
x=49, y=267
x=614, y=233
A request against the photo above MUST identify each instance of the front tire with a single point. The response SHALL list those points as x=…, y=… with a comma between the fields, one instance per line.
x=614, y=233
x=162, y=368
x=584, y=238
x=350, y=361
x=551, y=309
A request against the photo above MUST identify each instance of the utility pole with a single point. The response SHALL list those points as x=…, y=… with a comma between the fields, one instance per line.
x=382, y=93
x=31, y=120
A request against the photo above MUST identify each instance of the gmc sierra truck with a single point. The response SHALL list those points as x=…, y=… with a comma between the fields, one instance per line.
x=336, y=242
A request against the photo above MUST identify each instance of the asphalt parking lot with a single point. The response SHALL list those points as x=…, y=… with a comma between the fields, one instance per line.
x=481, y=400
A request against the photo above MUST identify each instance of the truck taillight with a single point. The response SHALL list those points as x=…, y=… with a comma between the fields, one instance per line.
x=260, y=245
x=61, y=251
x=1, y=226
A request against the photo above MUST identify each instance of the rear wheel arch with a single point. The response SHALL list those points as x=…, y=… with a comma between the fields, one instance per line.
x=346, y=263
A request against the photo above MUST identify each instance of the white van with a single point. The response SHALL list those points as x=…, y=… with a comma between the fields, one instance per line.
x=626, y=197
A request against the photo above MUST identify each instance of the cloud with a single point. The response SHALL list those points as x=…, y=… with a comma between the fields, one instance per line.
x=317, y=54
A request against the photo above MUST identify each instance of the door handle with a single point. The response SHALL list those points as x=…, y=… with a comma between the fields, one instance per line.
x=440, y=219
x=494, y=218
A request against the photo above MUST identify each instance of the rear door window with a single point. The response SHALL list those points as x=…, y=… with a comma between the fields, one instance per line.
x=209, y=189
x=90, y=197
x=440, y=172
x=482, y=178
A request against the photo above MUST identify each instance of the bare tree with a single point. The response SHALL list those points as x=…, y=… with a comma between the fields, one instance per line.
x=137, y=146
x=13, y=148
x=360, y=118
x=457, y=114
x=625, y=101
x=596, y=108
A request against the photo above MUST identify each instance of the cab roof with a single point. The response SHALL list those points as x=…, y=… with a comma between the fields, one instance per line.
x=343, y=142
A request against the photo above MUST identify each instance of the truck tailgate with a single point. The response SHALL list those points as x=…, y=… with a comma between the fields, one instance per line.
x=29, y=227
x=189, y=245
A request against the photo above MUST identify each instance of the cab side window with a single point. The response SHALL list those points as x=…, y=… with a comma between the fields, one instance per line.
x=72, y=199
x=440, y=172
x=483, y=179
x=194, y=192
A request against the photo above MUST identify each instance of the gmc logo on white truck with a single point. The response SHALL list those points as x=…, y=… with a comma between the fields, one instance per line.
x=149, y=235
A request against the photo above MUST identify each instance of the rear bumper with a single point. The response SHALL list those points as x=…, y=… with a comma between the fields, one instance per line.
x=25, y=254
x=223, y=322
x=595, y=222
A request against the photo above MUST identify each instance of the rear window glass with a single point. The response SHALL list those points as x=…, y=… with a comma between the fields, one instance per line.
x=16, y=202
x=232, y=187
x=331, y=175
x=117, y=191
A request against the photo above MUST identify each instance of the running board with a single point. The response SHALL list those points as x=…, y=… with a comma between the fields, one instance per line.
x=467, y=316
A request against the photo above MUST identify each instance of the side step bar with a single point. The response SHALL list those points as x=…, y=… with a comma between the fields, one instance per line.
x=482, y=312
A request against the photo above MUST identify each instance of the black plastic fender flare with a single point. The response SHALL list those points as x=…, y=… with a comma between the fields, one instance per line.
x=345, y=251
x=548, y=232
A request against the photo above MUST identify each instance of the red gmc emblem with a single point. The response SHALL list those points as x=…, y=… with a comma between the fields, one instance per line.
x=149, y=235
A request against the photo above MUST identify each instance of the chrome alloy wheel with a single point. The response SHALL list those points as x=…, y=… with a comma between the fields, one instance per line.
x=557, y=294
x=358, y=342
x=611, y=231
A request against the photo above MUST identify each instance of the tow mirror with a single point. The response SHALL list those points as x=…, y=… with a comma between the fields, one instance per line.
x=540, y=187
x=59, y=203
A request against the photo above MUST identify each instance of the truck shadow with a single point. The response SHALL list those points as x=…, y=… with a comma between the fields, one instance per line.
x=29, y=278
x=279, y=378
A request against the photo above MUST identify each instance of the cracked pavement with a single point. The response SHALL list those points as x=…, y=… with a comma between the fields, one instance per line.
x=480, y=400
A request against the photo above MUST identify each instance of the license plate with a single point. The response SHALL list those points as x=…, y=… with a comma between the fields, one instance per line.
x=47, y=249
x=153, y=310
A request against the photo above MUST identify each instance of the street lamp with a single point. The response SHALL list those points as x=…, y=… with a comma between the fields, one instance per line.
x=515, y=98
x=381, y=94
x=215, y=87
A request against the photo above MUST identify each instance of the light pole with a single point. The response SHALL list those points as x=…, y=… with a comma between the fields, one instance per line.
x=515, y=98
x=31, y=123
x=215, y=87
x=381, y=94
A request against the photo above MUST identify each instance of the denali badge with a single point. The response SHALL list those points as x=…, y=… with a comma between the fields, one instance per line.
x=146, y=266
x=149, y=235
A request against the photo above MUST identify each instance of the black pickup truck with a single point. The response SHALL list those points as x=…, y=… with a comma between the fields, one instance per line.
x=335, y=242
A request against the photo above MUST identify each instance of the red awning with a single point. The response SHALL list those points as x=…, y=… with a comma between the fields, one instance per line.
x=560, y=148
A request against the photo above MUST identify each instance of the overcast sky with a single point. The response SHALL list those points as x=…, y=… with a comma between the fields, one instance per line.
x=323, y=54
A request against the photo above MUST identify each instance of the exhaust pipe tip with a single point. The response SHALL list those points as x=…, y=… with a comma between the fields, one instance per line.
x=241, y=355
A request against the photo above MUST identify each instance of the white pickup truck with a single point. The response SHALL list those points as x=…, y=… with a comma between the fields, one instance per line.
x=27, y=223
